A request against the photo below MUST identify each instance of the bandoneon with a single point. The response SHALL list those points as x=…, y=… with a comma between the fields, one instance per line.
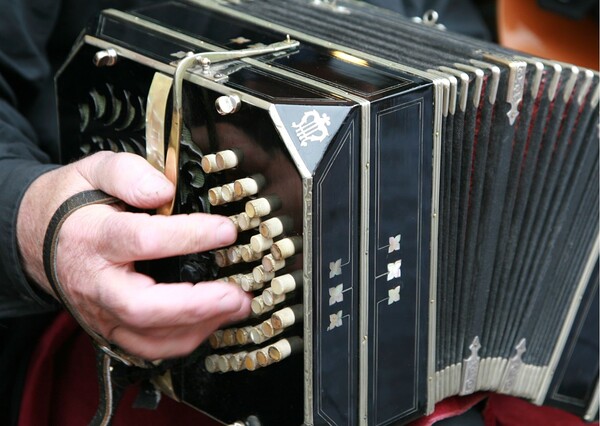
x=417, y=210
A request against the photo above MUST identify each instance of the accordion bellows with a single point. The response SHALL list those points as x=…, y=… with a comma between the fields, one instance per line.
x=418, y=210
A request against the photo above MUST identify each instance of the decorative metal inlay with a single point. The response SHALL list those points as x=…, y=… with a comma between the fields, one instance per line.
x=471, y=369
x=394, y=243
x=336, y=294
x=516, y=86
x=393, y=295
x=512, y=369
x=335, y=320
x=335, y=268
x=312, y=127
x=394, y=270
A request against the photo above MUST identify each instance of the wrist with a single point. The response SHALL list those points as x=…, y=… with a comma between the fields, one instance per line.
x=40, y=201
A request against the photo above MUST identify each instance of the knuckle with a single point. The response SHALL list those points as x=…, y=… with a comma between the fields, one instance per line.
x=145, y=240
x=133, y=313
x=126, y=233
x=118, y=162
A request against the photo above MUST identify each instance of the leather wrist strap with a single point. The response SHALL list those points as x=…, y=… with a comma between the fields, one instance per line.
x=112, y=376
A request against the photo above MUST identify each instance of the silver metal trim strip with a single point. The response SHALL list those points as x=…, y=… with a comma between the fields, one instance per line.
x=553, y=87
x=307, y=227
x=464, y=85
x=516, y=83
x=570, y=84
x=479, y=74
x=365, y=152
x=435, y=217
x=495, y=81
x=539, y=72
x=589, y=77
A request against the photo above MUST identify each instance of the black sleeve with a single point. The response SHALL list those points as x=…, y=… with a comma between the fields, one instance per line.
x=27, y=130
x=35, y=39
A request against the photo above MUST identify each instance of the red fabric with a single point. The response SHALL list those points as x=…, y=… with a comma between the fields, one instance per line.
x=61, y=387
x=450, y=407
x=504, y=410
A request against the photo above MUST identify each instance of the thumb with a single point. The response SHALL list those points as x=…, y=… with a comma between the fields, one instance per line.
x=128, y=177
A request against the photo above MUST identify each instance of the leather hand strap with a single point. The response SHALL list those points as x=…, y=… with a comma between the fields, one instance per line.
x=110, y=374
x=110, y=390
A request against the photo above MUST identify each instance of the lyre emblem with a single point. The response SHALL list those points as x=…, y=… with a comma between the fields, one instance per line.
x=312, y=127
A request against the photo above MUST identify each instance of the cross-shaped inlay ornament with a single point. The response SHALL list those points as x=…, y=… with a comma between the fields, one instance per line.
x=335, y=320
x=394, y=243
x=336, y=295
x=393, y=295
x=394, y=270
x=335, y=268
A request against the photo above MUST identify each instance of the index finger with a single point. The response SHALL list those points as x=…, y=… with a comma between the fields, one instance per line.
x=127, y=237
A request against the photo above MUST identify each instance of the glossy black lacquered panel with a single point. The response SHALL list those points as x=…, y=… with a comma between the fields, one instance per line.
x=327, y=65
x=399, y=232
x=336, y=288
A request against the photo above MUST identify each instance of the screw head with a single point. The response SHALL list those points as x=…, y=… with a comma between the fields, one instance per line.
x=228, y=104
x=106, y=58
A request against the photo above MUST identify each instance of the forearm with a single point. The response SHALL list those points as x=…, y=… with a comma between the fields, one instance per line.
x=25, y=86
x=20, y=165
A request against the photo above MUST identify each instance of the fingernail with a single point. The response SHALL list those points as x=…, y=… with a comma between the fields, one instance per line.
x=236, y=303
x=226, y=232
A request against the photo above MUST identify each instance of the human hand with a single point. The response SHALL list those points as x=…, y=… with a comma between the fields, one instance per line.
x=99, y=244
